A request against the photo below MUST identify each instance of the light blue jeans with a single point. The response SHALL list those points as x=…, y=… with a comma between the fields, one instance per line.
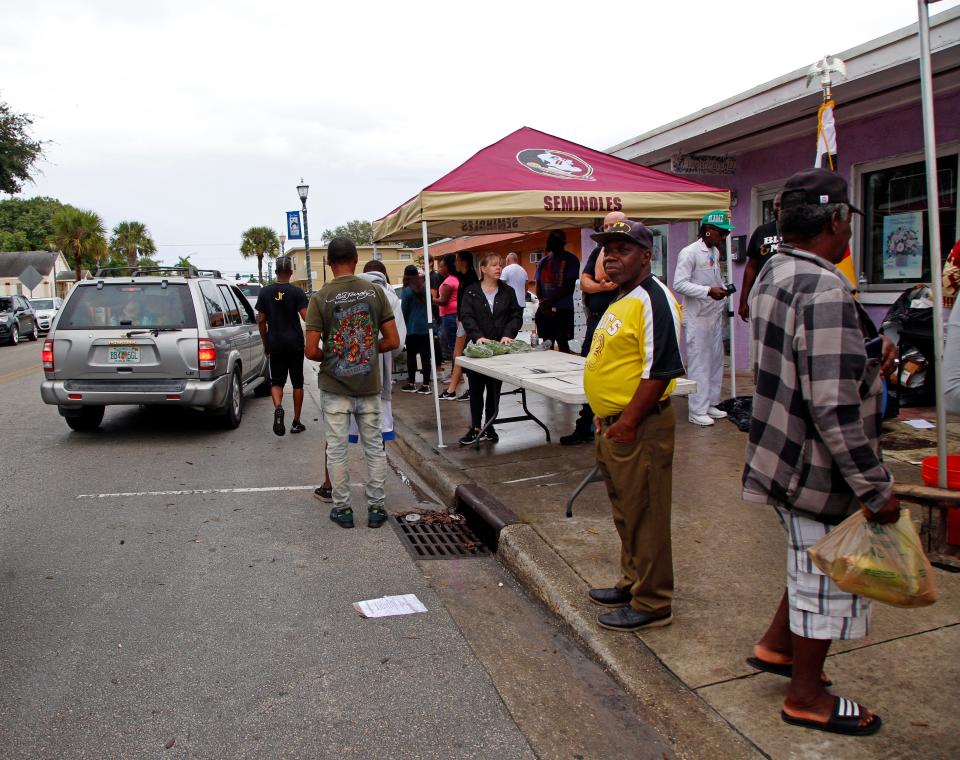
x=336, y=427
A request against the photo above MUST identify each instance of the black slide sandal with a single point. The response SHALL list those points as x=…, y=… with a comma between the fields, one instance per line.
x=845, y=719
x=780, y=670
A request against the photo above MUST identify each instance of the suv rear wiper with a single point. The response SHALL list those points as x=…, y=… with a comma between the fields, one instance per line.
x=155, y=331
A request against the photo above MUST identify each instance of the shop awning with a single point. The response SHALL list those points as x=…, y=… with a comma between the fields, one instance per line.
x=532, y=181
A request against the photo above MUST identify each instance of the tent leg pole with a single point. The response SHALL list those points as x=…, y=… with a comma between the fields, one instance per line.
x=433, y=358
x=933, y=224
x=731, y=318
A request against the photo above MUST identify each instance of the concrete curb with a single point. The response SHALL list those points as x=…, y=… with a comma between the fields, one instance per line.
x=694, y=728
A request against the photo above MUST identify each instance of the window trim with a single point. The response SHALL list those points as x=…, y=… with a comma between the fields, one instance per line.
x=856, y=181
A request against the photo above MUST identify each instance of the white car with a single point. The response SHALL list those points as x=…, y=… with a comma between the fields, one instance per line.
x=45, y=309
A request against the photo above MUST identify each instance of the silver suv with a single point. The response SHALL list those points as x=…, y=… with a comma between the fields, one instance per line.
x=165, y=336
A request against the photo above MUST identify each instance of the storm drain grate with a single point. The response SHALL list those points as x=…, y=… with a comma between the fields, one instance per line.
x=426, y=540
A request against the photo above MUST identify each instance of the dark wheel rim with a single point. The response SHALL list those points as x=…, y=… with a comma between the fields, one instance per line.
x=235, y=397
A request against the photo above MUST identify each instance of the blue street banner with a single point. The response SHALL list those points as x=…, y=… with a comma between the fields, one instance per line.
x=293, y=226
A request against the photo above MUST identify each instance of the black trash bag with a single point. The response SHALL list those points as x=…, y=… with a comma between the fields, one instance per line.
x=739, y=411
x=911, y=328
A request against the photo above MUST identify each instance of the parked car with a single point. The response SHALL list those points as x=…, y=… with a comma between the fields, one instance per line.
x=251, y=290
x=173, y=337
x=44, y=309
x=17, y=320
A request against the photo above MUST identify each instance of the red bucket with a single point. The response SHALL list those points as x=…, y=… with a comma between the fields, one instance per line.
x=928, y=471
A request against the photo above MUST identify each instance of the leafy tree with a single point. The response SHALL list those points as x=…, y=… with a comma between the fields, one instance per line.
x=184, y=261
x=132, y=240
x=26, y=224
x=359, y=231
x=81, y=236
x=259, y=242
x=18, y=150
x=146, y=261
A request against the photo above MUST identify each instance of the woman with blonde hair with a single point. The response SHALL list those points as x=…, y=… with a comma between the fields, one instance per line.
x=490, y=313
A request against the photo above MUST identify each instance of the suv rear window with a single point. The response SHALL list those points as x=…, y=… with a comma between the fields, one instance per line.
x=128, y=305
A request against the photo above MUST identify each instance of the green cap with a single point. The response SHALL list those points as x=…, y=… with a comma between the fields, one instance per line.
x=719, y=219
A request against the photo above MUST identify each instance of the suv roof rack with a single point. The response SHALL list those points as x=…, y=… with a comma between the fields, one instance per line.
x=138, y=271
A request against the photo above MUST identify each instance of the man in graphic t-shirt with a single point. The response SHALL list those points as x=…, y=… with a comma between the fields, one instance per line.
x=764, y=242
x=280, y=307
x=344, y=322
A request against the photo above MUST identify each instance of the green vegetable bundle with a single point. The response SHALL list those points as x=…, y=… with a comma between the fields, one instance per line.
x=519, y=347
x=478, y=351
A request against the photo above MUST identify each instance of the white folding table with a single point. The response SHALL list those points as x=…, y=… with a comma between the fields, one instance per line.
x=552, y=374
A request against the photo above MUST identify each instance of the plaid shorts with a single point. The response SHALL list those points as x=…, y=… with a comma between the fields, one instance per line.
x=818, y=608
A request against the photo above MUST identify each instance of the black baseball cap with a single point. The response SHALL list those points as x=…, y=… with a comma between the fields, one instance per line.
x=635, y=232
x=815, y=187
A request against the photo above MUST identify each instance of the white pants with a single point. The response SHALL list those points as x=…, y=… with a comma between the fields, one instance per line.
x=704, y=363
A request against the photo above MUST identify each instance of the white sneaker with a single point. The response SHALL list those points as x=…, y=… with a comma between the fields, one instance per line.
x=701, y=419
x=717, y=414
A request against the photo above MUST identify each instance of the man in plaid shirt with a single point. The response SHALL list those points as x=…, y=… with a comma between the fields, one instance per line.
x=814, y=451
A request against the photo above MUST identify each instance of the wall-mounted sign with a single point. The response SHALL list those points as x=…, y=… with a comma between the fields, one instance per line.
x=696, y=163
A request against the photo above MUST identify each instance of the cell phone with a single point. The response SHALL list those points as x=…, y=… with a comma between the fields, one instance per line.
x=874, y=348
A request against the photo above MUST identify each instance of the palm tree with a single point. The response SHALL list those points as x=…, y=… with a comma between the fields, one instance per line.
x=259, y=242
x=132, y=239
x=183, y=262
x=81, y=235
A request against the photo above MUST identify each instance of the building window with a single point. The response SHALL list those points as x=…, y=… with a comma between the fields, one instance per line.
x=535, y=256
x=406, y=257
x=896, y=233
x=658, y=264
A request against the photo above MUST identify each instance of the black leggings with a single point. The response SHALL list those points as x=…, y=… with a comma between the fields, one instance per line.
x=418, y=345
x=478, y=384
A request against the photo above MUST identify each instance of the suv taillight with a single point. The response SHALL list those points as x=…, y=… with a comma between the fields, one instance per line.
x=47, y=356
x=206, y=354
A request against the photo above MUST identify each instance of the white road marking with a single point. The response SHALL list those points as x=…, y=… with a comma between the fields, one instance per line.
x=196, y=491
x=535, y=477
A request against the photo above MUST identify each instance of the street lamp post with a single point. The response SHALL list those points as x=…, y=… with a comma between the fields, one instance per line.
x=302, y=190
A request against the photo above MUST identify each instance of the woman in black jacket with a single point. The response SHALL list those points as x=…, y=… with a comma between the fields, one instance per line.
x=490, y=313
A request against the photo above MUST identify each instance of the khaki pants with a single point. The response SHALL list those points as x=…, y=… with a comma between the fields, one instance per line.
x=639, y=478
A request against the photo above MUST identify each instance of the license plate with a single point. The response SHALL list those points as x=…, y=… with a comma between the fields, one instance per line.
x=126, y=355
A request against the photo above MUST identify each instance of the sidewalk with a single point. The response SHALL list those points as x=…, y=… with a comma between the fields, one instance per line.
x=690, y=678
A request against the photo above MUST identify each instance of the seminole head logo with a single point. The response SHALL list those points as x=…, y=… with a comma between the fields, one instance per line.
x=555, y=163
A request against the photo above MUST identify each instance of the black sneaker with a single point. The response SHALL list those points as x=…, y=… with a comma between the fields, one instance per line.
x=490, y=435
x=376, y=517
x=324, y=494
x=576, y=437
x=471, y=437
x=408, y=388
x=297, y=427
x=342, y=517
x=465, y=396
x=448, y=396
x=424, y=389
x=278, y=426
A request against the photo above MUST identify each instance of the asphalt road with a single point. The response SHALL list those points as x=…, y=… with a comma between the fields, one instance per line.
x=171, y=589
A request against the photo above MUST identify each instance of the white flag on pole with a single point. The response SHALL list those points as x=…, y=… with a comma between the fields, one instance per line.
x=826, y=136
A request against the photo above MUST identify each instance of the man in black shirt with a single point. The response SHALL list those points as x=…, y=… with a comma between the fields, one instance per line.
x=280, y=307
x=764, y=242
x=598, y=295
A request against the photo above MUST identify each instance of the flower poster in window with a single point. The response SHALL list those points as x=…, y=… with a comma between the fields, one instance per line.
x=903, y=246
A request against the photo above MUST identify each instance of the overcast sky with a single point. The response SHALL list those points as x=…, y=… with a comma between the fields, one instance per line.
x=199, y=118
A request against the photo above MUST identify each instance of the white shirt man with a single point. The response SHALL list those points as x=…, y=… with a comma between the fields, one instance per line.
x=700, y=284
x=516, y=277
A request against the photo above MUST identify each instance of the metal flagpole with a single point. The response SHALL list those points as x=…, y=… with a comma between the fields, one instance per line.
x=433, y=358
x=731, y=318
x=933, y=225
